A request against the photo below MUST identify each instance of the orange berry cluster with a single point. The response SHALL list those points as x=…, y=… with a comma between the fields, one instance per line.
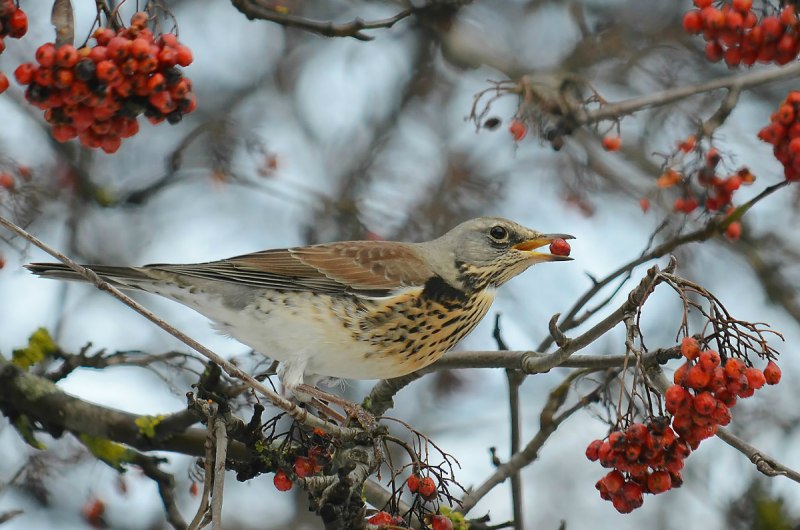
x=644, y=458
x=735, y=34
x=705, y=389
x=648, y=457
x=14, y=24
x=783, y=133
x=96, y=93
x=386, y=520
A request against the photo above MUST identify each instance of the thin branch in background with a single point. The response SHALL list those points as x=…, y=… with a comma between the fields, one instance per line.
x=254, y=9
x=515, y=379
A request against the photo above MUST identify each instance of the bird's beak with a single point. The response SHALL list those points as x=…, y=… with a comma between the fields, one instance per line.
x=530, y=245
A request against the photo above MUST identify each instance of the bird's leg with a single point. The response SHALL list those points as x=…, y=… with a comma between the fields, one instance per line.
x=353, y=410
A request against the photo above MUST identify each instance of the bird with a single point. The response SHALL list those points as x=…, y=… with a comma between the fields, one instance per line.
x=346, y=310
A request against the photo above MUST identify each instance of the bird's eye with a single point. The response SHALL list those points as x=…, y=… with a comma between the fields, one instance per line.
x=498, y=233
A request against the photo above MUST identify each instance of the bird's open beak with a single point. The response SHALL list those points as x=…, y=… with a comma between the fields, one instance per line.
x=531, y=245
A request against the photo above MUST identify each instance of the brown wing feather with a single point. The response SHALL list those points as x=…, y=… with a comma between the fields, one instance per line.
x=363, y=267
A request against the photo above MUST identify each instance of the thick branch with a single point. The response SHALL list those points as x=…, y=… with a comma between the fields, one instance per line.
x=42, y=400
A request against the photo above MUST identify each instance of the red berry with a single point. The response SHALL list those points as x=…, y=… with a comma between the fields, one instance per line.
x=517, y=129
x=427, y=489
x=66, y=56
x=704, y=403
x=734, y=368
x=441, y=522
x=592, y=453
x=17, y=24
x=46, y=54
x=773, y=29
x=3, y=82
x=703, y=3
x=612, y=143
x=772, y=373
x=697, y=378
x=674, y=397
x=282, y=481
x=414, y=480
x=381, y=519
x=755, y=378
x=304, y=466
x=734, y=230
x=680, y=374
x=690, y=348
x=613, y=481
x=559, y=247
x=632, y=492
x=742, y=6
x=709, y=360
x=692, y=22
x=183, y=55
x=6, y=181
x=644, y=204
x=659, y=482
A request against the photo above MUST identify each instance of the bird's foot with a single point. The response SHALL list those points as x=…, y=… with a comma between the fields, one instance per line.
x=353, y=410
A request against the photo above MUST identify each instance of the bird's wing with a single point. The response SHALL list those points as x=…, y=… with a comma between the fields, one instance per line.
x=373, y=268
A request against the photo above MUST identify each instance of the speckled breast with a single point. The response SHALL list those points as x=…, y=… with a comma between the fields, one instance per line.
x=415, y=328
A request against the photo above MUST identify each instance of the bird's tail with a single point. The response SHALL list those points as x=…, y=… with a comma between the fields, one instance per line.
x=121, y=277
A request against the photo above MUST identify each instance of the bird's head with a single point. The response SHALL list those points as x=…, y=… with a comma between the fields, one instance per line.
x=488, y=251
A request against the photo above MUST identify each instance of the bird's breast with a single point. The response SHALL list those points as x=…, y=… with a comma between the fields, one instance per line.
x=416, y=327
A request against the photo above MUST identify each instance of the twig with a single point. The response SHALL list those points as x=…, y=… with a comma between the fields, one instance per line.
x=514, y=379
x=166, y=488
x=742, y=81
x=221, y=441
x=298, y=414
x=252, y=9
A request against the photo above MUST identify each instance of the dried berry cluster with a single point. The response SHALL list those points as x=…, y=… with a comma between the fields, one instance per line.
x=783, y=133
x=648, y=457
x=96, y=93
x=737, y=35
x=14, y=24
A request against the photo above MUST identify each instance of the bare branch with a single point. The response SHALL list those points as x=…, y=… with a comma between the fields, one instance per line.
x=255, y=9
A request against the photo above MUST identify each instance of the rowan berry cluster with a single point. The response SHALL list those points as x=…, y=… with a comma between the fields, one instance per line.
x=735, y=34
x=783, y=133
x=706, y=388
x=648, y=457
x=96, y=93
x=644, y=458
x=14, y=24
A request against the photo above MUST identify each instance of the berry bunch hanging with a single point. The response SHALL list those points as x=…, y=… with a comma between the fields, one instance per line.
x=96, y=93
x=783, y=132
x=648, y=457
x=735, y=34
x=13, y=24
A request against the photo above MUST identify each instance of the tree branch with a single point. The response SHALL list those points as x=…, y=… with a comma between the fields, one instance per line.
x=254, y=9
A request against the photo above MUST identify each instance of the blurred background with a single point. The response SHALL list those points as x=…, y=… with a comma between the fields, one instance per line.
x=300, y=139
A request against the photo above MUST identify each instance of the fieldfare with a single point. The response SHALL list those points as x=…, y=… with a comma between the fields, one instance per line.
x=353, y=309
